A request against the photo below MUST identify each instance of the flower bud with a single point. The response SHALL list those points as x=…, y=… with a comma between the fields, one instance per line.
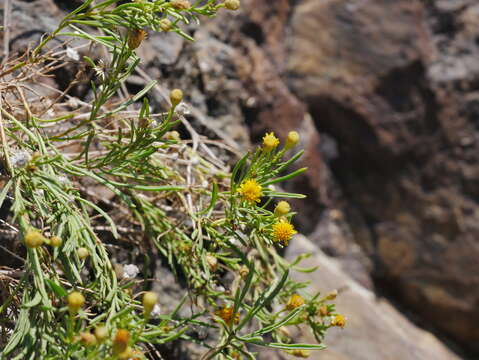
x=332, y=295
x=232, y=4
x=33, y=239
x=120, y=341
x=165, y=24
x=149, y=301
x=292, y=139
x=244, y=271
x=212, y=262
x=323, y=311
x=127, y=354
x=101, y=333
x=87, y=338
x=173, y=135
x=283, y=208
x=75, y=301
x=55, y=241
x=176, y=96
x=180, y=4
x=83, y=253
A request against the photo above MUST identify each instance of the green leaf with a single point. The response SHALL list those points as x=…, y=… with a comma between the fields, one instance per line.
x=56, y=288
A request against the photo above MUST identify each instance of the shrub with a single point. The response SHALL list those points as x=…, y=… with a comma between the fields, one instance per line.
x=173, y=198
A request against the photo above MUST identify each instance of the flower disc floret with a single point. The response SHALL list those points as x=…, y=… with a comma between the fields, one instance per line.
x=270, y=141
x=250, y=191
x=283, y=231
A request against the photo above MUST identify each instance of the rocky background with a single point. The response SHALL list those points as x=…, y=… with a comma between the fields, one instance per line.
x=386, y=96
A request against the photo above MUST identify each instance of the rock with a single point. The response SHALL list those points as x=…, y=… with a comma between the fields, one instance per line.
x=374, y=328
x=394, y=83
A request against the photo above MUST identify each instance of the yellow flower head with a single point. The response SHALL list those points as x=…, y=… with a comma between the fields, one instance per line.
x=294, y=302
x=226, y=313
x=270, y=142
x=339, y=320
x=250, y=191
x=283, y=231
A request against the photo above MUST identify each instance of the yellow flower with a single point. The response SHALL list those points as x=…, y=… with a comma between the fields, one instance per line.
x=294, y=302
x=250, y=191
x=282, y=208
x=283, y=231
x=270, y=142
x=291, y=140
x=339, y=320
x=226, y=313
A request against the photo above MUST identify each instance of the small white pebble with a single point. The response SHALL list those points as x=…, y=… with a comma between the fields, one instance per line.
x=73, y=54
x=130, y=271
x=156, y=311
x=20, y=158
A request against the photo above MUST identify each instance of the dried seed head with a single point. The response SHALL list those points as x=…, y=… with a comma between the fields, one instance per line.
x=176, y=96
x=149, y=301
x=232, y=4
x=33, y=239
x=135, y=38
x=75, y=301
x=120, y=341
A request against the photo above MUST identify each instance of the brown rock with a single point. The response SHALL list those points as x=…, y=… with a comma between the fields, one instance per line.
x=374, y=328
x=395, y=84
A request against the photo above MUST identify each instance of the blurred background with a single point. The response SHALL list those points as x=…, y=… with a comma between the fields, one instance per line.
x=385, y=95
